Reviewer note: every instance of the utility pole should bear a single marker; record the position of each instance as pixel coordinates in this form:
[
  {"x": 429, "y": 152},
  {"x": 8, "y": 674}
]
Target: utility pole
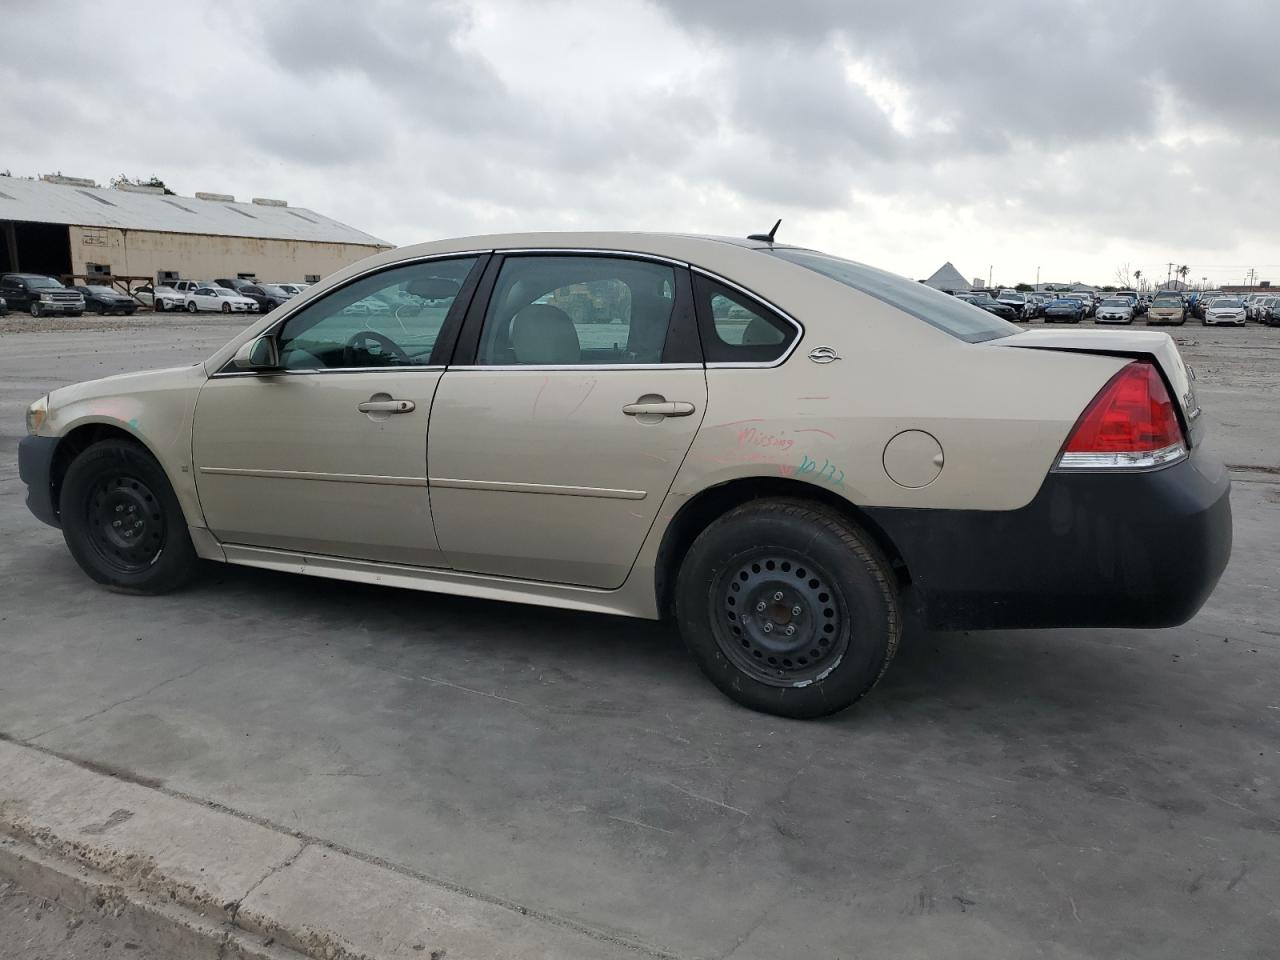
[
  {"x": 1037, "y": 278},
  {"x": 1168, "y": 275},
  {"x": 990, "y": 269}
]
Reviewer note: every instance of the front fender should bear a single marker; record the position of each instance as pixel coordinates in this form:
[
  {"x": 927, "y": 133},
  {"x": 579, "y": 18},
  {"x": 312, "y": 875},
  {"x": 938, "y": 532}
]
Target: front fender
[{"x": 155, "y": 408}]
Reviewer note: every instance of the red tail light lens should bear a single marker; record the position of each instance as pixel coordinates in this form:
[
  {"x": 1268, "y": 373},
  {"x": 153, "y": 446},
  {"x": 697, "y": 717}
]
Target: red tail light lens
[{"x": 1131, "y": 423}]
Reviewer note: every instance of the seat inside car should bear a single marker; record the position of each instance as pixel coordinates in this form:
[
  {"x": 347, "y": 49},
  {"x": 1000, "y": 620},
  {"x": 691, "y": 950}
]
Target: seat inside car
[
  {"x": 650, "y": 316},
  {"x": 543, "y": 334}
]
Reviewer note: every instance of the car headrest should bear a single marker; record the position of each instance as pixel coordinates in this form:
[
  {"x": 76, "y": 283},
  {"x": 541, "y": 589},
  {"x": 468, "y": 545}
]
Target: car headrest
[
  {"x": 760, "y": 332},
  {"x": 541, "y": 333}
]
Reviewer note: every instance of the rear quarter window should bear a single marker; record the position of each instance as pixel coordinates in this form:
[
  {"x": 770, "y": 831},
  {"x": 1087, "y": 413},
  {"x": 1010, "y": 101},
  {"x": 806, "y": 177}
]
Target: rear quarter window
[{"x": 962, "y": 320}]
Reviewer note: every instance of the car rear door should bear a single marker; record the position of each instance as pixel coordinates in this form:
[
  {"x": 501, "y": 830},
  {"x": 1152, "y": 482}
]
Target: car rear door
[
  {"x": 576, "y": 391},
  {"x": 327, "y": 455}
]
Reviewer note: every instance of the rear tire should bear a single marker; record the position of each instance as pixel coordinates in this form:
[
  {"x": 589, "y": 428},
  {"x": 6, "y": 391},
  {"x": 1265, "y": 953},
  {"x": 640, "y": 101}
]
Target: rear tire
[
  {"x": 122, "y": 521},
  {"x": 837, "y": 600}
]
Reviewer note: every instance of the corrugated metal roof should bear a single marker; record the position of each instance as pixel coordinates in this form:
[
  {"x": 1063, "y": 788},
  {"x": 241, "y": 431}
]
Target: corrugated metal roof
[{"x": 37, "y": 201}]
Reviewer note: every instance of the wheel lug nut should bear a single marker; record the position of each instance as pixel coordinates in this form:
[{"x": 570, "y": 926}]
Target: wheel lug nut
[
  {"x": 791, "y": 629},
  {"x": 796, "y": 611},
  {"x": 778, "y": 596},
  {"x": 768, "y": 626},
  {"x": 119, "y": 508},
  {"x": 760, "y": 607}
]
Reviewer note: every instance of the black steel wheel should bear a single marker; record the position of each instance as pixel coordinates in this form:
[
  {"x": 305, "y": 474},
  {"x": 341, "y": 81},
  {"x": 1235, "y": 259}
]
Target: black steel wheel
[
  {"x": 781, "y": 622},
  {"x": 122, "y": 521},
  {"x": 35, "y": 308},
  {"x": 788, "y": 607}
]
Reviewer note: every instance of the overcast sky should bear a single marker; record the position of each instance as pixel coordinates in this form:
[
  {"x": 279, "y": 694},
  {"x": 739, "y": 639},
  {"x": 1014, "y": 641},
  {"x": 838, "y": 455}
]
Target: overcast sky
[{"x": 1070, "y": 136}]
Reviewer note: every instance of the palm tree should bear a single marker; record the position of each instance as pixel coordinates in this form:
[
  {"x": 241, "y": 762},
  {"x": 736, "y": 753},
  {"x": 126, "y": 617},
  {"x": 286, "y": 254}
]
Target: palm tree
[
  {"x": 1137, "y": 278},
  {"x": 1182, "y": 272}
]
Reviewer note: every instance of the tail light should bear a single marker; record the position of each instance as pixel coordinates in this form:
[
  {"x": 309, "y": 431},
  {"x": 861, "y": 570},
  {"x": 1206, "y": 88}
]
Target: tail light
[{"x": 1131, "y": 424}]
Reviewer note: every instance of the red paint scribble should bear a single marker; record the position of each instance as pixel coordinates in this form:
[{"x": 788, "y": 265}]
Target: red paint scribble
[{"x": 816, "y": 430}]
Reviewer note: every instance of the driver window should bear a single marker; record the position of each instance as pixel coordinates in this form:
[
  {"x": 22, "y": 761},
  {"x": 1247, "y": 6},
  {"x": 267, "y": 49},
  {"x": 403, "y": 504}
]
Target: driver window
[{"x": 387, "y": 319}]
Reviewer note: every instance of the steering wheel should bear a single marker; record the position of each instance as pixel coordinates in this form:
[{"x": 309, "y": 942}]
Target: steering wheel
[{"x": 356, "y": 354}]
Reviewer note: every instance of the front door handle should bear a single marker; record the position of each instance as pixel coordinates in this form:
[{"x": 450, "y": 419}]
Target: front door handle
[
  {"x": 386, "y": 406},
  {"x": 658, "y": 408}
]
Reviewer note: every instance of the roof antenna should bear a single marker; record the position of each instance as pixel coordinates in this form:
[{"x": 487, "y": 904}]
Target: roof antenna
[{"x": 766, "y": 237}]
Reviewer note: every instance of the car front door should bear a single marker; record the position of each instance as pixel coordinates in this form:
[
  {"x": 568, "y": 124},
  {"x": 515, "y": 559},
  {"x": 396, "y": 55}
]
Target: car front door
[
  {"x": 575, "y": 394},
  {"x": 327, "y": 454}
]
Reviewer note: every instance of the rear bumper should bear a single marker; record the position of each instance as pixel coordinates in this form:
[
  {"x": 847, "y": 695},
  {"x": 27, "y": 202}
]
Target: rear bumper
[
  {"x": 35, "y": 468},
  {"x": 1091, "y": 550}
]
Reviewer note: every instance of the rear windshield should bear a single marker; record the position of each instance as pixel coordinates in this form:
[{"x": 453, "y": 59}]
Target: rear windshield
[{"x": 949, "y": 314}]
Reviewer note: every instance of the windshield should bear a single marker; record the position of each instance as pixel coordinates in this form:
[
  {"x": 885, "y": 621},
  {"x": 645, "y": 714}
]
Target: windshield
[
  {"x": 940, "y": 310},
  {"x": 273, "y": 291},
  {"x": 1115, "y": 302},
  {"x": 1167, "y": 302},
  {"x": 1228, "y": 302},
  {"x": 1066, "y": 302},
  {"x": 44, "y": 283},
  {"x": 99, "y": 289}
]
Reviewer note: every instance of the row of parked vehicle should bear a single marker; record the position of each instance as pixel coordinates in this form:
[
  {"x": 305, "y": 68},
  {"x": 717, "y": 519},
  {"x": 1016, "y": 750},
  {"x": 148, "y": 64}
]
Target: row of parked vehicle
[
  {"x": 42, "y": 295},
  {"x": 226, "y": 295},
  {"x": 1210, "y": 307}
]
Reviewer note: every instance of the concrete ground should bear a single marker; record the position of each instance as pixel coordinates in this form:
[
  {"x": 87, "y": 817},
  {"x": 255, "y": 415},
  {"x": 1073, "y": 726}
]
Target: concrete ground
[{"x": 1059, "y": 794}]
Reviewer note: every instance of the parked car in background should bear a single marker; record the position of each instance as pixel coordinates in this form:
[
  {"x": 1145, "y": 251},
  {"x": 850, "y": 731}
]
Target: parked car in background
[
  {"x": 292, "y": 288},
  {"x": 1167, "y": 308},
  {"x": 1254, "y": 304},
  {"x": 1015, "y": 299},
  {"x": 983, "y": 299},
  {"x": 219, "y": 299},
  {"x": 4, "y": 306},
  {"x": 1116, "y": 310},
  {"x": 40, "y": 295},
  {"x": 160, "y": 298},
  {"x": 1224, "y": 311},
  {"x": 1064, "y": 310},
  {"x": 739, "y": 505},
  {"x": 104, "y": 300},
  {"x": 237, "y": 283},
  {"x": 186, "y": 287},
  {"x": 1272, "y": 318},
  {"x": 1261, "y": 308},
  {"x": 267, "y": 296},
  {"x": 1203, "y": 300}
]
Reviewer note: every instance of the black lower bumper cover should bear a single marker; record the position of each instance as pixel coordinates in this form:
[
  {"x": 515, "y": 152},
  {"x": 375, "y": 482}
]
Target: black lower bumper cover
[
  {"x": 1091, "y": 550},
  {"x": 35, "y": 467}
]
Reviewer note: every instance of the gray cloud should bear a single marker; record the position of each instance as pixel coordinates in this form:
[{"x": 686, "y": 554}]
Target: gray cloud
[{"x": 902, "y": 133}]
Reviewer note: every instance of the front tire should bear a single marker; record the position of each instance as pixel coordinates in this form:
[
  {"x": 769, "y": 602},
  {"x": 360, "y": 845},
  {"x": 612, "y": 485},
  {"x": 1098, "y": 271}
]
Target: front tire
[
  {"x": 819, "y": 648},
  {"x": 226, "y": 308},
  {"x": 122, "y": 521},
  {"x": 191, "y": 307},
  {"x": 35, "y": 309}
]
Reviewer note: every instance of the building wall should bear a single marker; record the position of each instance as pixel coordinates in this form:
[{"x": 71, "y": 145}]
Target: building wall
[{"x": 141, "y": 253}]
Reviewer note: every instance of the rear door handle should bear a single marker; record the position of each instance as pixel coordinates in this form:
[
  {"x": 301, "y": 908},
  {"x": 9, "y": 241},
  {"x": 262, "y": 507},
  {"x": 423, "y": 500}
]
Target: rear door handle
[
  {"x": 659, "y": 408},
  {"x": 386, "y": 406}
]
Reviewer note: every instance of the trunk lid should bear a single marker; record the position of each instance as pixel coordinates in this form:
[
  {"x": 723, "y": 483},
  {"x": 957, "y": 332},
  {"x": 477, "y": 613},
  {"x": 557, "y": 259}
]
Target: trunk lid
[{"x": 1140, "y": 344}]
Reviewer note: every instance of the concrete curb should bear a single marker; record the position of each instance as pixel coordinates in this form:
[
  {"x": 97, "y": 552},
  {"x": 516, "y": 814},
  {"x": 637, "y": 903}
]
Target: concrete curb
[
  {"x": 166, "y": 927},
  {"x": 205, "y": 879}
]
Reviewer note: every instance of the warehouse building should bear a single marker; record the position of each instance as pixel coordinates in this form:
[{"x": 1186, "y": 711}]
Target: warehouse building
[{"x": 73, "y": 229}]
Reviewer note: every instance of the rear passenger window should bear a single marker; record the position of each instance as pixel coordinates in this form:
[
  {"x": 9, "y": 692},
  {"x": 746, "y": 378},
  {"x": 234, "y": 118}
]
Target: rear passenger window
[
  {"x": 566, "y": 311},
  {"x": 737, "y": 328}
]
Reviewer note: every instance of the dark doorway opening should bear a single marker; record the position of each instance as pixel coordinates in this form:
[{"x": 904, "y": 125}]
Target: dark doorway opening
[{"x": 35, "y": 248}]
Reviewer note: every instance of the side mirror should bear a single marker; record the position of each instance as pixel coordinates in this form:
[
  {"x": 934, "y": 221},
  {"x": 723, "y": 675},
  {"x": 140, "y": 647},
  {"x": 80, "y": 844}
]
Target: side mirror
[{"x": 260, "y": 354}]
